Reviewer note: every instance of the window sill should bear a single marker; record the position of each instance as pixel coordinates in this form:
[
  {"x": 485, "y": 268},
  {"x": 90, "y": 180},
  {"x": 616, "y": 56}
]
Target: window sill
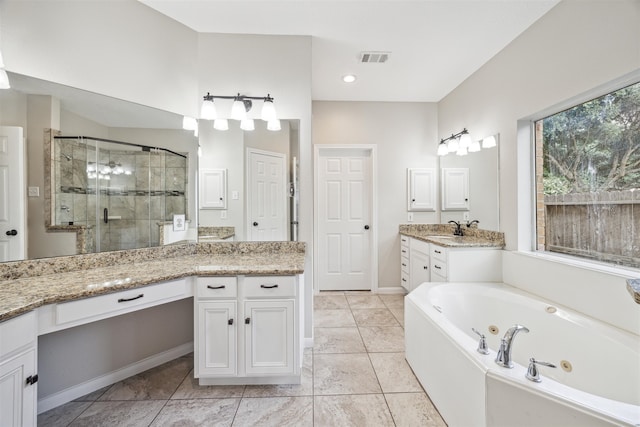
[{"x": 622, "y": 271}]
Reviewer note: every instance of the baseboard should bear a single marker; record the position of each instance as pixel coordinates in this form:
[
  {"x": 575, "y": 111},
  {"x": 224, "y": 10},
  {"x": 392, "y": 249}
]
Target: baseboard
[
  {"x": 74, "y": 392},
  {"x": 392, "y": 290}
]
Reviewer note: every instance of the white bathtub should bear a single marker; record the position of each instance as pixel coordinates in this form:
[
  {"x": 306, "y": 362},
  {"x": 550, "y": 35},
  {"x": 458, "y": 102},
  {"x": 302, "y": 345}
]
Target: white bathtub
[{"x": 470, "y": 389}]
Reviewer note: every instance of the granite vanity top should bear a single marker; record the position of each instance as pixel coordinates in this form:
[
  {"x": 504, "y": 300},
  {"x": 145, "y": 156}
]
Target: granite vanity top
[
  {"x": 442, "y": 234},
  {"x": 70, "y": 278}
]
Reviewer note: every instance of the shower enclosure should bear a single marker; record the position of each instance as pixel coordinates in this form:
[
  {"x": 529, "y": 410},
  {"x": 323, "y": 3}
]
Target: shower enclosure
[{"x": 122, "y": 193}]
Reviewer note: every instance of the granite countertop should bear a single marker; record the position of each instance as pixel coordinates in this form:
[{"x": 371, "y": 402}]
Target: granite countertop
[
  {"x": 442, "y": 235},
  {"x": 20, "y": 295}
]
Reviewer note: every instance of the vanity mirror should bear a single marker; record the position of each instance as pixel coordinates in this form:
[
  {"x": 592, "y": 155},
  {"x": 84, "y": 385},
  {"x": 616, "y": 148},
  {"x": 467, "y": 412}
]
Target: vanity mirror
[
  {"x": 94, "y": 193},
  {"x": 480, "y": 172}
]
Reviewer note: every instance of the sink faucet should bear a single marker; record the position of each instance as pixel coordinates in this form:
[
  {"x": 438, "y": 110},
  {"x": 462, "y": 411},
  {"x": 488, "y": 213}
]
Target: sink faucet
[
  {"x": 470, "y": 223},
  {"x": 503, "y": 358},
  {"x": 458, "y": 230}
]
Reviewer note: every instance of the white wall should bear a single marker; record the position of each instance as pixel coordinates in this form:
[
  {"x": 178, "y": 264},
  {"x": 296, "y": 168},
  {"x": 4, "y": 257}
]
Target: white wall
[
  {"x": 405, "y": 135},
  {"x": 577, "y": 46}
]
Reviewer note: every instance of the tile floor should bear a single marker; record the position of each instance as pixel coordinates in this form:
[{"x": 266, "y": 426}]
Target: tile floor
[{"x": 356, "y": 375}]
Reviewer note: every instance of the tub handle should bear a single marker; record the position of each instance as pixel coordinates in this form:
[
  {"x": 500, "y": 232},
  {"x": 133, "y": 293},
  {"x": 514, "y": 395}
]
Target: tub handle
[
  {"x": 532, "y": 372},
  {"x": 482, "y": 344}
]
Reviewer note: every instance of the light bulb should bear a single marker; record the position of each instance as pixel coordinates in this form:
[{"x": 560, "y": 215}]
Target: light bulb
[
  {"x": 221, "y": 124},
  {"x": 247, "y": 124},
  {"x": 489, "y": 142},
  {"x": 268, "y": 110},
  {"x": 442, "y": 149},
  {"x": 465, "y": 140},
  {"x": 462, "y": 151},
  {"x": 474, "y": 147},
  {"x": 238, "y": 112},
  {"x": 453, "y": 145},
  {"x": 208, "y": 110},
  {"x": 273, "y": 125},
  {"x": 349, "y": 78}
]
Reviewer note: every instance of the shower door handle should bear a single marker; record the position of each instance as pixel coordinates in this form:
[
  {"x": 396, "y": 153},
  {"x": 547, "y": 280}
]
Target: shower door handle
[{"x": 106, "y": 215}]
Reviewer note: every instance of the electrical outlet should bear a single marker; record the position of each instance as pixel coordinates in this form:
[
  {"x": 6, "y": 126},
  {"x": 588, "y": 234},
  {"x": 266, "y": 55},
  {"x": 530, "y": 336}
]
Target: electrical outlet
[
  {"x": 34, "y": 192},
  {"x": 234, "y": 195},
  {"x": 223, "y": 214},
  {"x": 410, "y": 217}
]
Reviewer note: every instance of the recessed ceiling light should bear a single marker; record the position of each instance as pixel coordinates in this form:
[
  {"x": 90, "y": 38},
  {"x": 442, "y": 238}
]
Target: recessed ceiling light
[{"x": 349, "y": 78}]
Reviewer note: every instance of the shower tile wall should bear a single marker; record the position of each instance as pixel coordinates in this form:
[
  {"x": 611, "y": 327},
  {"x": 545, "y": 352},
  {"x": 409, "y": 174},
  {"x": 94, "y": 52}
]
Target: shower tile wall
[{"x": 137, "y": 203}]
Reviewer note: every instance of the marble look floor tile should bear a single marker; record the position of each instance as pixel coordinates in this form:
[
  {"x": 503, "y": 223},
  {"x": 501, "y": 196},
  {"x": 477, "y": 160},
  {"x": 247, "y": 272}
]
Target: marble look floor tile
[
  {"x": 398, "y": 313},
  {"x": 190, "y": 389},
  {"x": 394, "y": 373},
  {"x": 413, "y": 409},
  {"x": 374, "y": 317},
  {"x": 330, "y": 302},
  {"x": 275, "y": 411},
  {"x": 351, "y": 410},
  {"x": 197, "y": 412},
  {"x": 333, "y": 318},
  {"x": 121, "y": 414},
  {"x": 365, "y": 301},
  {"x": 305, "y": 388},
  {"x": 383, "y": 339},
  {"x": 93, "y": 396},
  {"x": 63, "y": 415},
  {"x": 157, "y": 383},
  {"x": 337, "y": 340},
  {"x": 343, "y": 374},
  {"x": 393, "y": 301}
]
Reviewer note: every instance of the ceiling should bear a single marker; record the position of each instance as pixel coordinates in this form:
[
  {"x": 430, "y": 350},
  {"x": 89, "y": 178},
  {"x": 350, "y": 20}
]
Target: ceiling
[{"x": 435, "y": 44}]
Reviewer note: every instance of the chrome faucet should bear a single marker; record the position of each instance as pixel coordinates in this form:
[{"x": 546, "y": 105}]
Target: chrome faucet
[
  {"x": 503, "y": 358},
  {"x": 458, "y": 230}
]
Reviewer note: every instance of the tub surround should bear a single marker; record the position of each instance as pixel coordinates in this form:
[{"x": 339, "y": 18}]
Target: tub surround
[
  {"x": 27, "y": 285},
  {"x": 442, "y": 234}
]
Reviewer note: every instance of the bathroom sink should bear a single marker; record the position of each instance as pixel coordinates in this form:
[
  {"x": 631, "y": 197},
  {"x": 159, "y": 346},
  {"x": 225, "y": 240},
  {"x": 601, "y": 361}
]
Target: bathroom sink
[{"x": 443, "y": 237}]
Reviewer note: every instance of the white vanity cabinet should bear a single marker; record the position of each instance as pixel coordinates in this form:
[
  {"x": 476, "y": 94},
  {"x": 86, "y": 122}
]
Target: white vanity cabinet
[
  {"x": 18, "y": 365},
  {"x": 250, "y": 335},
  {"x": 419, "y": 263},
  {"x": 405, "y": 272}
]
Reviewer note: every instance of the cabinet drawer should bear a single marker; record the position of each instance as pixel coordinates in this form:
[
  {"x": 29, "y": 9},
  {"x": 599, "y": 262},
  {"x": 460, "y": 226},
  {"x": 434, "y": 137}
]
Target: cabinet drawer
[
  {"x": 104, "y": 305},
  {"x": 438, "y": 252},
  {"x": 404, "y": 280},
  {"x": 216, "y": 287},
  {"x": 438, "y": 268},
  {"x": 269, "y": 286},
  {"x": 17, "y": 332},
  {"x": 404, "y": 241},
  {"x": 404, "y": 264},
  {"x": 435, "y": 277}
]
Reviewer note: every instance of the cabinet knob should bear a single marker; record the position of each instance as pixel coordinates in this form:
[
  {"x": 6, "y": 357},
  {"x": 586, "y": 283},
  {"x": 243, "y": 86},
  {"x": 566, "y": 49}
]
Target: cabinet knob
[
  {"x": 230, "y": 322},
  {"x": 32, "y": 379},
  {"x": 247, "y": 320},
  {"x": 12, "y": 233},
  {"x": 425, "y": 267},
  {"x": 366, "y": 227},
  {"x": 255, "y": 224}
]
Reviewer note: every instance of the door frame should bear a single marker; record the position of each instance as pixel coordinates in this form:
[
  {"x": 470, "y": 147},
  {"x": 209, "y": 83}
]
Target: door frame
[
  {"x": 372, "y": 150},
  {"x": 285, "y": 197}
]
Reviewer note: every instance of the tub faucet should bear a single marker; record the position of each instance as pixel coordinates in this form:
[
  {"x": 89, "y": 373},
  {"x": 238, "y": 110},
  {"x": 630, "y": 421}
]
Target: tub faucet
[{"x": 503, "y": 358}]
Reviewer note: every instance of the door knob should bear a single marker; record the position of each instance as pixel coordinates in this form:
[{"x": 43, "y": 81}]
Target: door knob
[
  {"x": 12, "y": 233},
  {"x": 255, "y": 224},
  {"x": 366, "y": 227}
]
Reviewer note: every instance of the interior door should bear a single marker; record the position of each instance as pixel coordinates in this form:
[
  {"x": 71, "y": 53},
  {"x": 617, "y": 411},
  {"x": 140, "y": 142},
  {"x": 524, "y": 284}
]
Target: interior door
[
  {"x": 266, "y": 196},
  {"x": 12, "y": 194},
  {"x": 345, "y": 212}
]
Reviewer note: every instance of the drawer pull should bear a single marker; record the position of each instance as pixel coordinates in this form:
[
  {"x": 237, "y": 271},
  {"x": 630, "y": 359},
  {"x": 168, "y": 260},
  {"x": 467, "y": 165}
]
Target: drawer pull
[
  {"x": 404, "y": 280},
  {"x": 404, "y": 265},
  {"x": 438, "y": 267},
  {"x": 32, "y": 379},
  {"x": 230, "y": 322},
  {"x": 404, "y": 252},
  {"x": 130, "y": 299},
  {"x": 426, "y": 267},
  {"x": 216, "y": 287},
  {"x": 268, "y": 286},
  {"x": 247, "y": 320},
  {"x": 437, "y": 251}
]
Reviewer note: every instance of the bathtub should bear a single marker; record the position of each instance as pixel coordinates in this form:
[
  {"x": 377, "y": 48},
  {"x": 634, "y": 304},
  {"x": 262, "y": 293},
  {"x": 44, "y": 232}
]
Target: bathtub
[{"x": 596, "y": 382}]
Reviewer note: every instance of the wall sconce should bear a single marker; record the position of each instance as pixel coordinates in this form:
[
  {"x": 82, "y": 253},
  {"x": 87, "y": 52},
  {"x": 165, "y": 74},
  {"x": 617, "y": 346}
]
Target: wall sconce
[
  {"x": 462, "y": 144},
  {"x": 242, "y": 104}
]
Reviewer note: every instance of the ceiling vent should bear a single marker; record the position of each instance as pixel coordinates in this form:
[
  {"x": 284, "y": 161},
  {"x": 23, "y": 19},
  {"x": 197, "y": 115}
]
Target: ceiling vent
[{"x": 374, "y": 57}]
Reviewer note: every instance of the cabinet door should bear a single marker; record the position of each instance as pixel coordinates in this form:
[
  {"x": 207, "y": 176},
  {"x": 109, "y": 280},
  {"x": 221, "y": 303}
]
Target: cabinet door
[
  {"x": 216, "y": 338},
  {"x": 269, "y": 337},
  {"x": 455, "y": 189},
  {"x": 419, "y": 265},
  {"x": 421, "y": 186},
  {"x": 17, "y": 397},
  {"x": 213, "y": 188}
]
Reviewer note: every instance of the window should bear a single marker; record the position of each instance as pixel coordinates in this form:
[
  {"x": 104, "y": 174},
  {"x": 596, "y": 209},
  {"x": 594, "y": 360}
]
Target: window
[{"x": 588, "y": 179}]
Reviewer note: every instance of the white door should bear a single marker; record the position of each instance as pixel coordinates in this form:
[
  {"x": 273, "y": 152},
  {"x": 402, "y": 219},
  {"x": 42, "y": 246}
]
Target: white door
[
  {"x": 12, "y": 194},
  {"x": 345, "y": 259},
  {"x": 266, "y": 196},
  {"x": 216, "y": 352},
  {"x": 269, "y": 337}
]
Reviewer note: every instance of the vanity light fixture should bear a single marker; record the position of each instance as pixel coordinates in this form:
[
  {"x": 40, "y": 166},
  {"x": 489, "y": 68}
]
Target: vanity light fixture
[
  {"x": 474, "y": 147},
  {"x": 454, "y": 143},
  {"x": 242, "y": 104},
  {"x": 273, "y": 125},
  {"x": 489, "y": 142}
]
